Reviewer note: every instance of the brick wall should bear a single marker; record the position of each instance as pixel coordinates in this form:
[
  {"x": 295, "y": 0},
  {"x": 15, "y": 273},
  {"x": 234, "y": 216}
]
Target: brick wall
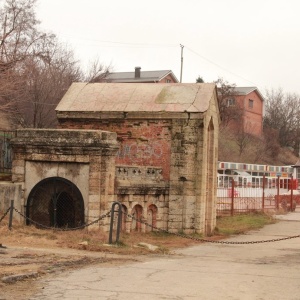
[
  {"x": 252, "y": 116},
  {"x": 165, "y": 166},
  {"x": 182, "y": 194},
  {"x": 142, "y": 142}
]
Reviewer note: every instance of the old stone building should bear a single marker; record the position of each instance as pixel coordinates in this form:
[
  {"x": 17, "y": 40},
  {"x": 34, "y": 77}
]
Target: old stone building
[
  {"x": 151, "y": 147},
  {"x": 165, "y": 167},
  {"x": 64, "y": 178}
]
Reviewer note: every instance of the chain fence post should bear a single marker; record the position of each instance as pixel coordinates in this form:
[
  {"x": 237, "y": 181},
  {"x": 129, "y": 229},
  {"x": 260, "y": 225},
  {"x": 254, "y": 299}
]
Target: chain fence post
[
  {"x": 263, "y": 193},
  {"x": 232, "y": 196},
  {"x": 278, "y": 186},
  {"x": 119, "y": 223},
  {"x": 291, "y": 186},
  {"x": 11, "y": 214}
]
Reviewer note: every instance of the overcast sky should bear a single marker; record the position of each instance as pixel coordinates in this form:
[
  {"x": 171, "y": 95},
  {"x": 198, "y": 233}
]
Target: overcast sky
[{"x": 247, "y": 42}]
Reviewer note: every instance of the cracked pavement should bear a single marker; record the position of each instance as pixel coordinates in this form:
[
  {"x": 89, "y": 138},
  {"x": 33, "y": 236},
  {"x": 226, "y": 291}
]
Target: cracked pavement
[{"x": 207, "y": 271}]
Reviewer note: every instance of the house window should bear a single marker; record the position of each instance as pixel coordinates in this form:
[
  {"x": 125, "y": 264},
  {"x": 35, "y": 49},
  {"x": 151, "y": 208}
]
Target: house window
[
  {"x": 230, "y": 102},
  {"x": 168, "y": 81},
  {"x": 251, "y": 103}
]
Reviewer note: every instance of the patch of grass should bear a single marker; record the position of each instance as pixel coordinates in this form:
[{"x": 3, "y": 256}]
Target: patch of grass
[
  {"x": 239, "y": 224},
  {"x": 163, "y": 250},
  {"x": 160, "y": 234},
  {"x": 120, "y": 244}
]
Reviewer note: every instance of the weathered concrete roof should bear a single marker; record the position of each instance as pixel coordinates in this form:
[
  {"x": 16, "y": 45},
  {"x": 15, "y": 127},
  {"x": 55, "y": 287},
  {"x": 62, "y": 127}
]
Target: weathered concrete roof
[{"x": 137, "y": 97}]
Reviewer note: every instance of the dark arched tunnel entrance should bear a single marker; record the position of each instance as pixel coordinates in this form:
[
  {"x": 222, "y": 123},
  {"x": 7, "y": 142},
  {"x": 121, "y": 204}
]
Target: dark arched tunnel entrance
[{"x": 55, "y": 202}]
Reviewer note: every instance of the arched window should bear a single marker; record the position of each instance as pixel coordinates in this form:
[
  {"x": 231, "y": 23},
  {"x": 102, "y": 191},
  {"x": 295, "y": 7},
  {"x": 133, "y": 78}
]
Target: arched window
[
  {"x": 137, "y": 212},
  {"x": 151, "y": 217},
  {"x": 124, "y": 217}
]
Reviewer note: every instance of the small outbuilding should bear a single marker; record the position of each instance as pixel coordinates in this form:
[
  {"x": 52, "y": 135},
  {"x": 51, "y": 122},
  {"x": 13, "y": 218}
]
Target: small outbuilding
[{"x": 165, "y": 171}]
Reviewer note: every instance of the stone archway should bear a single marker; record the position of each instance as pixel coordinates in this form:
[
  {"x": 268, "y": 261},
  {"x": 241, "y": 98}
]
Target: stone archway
[
  {"x": 124, "y": 217},
  {"x": 151, "y": 217},
  {"x": 72, "y": 161},
  {"x": 55, "y": 202},
  {"x": 137, "y": 212}
]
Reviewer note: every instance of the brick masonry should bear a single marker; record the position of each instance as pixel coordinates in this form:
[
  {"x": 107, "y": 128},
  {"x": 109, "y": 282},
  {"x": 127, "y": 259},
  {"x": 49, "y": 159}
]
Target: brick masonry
[{"x": 161, "y": 165}]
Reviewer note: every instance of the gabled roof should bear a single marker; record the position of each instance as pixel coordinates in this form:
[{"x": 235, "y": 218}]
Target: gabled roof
[
  {"x": 247, "y": 90},
  {"x": 137, "y": 97},
  {"x": 145, "y": 76}
]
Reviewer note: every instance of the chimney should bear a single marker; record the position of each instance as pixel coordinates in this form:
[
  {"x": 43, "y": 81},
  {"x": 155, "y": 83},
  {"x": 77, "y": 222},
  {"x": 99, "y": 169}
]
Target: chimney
[{"x": 137, "y": 72}]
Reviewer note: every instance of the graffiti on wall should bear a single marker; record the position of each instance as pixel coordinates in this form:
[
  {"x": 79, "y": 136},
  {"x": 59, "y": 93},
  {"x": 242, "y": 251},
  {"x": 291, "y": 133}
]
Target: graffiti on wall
[
  {"x": 145, "y": 144},
  {"x": 155, "y": 154},
  {"x": 135, "y": 151}
]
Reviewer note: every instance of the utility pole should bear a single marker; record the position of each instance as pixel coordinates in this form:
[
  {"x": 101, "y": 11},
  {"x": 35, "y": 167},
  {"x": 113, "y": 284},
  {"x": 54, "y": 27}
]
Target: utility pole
[{"x": 181, "y": 62}]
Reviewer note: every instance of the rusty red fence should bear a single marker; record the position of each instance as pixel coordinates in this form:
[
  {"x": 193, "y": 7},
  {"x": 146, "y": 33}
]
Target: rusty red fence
[{"x": 243, "y": 199}]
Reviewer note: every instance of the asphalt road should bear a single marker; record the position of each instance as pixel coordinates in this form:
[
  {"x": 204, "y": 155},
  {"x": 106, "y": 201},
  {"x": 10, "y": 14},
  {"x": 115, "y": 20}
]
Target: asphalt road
[{"x": 269, "y": 270}]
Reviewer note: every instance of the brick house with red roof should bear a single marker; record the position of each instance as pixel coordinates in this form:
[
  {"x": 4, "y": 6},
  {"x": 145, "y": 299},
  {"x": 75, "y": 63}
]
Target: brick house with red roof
[{"x": 251, "y": 102}]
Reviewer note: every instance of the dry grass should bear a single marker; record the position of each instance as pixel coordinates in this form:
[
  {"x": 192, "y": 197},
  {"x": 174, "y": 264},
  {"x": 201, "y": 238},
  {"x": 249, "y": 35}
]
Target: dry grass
[
  {"x": 92, "y": 240},
  {"x": 97, "y": 240}
]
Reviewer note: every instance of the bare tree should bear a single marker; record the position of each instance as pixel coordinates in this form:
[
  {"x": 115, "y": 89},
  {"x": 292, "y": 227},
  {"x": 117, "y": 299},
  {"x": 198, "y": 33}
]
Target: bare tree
[
  {"x": 272, "y": 147},
  {"x": 282, "y": 113},
  {"x": 47, "y": 80},
  {"x": 96, "y": 71},
  {"x": 242, "y": 137},
  {"x": 18, "y": 37},
  {"x": 229, "y": 108},
  {"x": 35, "y": 69}
]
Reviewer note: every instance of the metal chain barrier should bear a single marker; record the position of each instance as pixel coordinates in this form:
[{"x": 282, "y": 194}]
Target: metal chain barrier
[
  {"x": 63, "y": 229},
  {"x": 153, "y": 227},
  {"x": 5, "y": 214},
  {"x": 210, "y": 241}
]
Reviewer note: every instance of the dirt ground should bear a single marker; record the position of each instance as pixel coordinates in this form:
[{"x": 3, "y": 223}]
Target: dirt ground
[
  {"x": 21, "y": 267},
  {"x": 28, "y": 253}
]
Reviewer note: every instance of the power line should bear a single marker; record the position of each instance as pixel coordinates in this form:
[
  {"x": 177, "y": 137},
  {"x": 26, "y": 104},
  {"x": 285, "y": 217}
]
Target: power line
[
  {"x": 150, "y": 45},
  {"x": 217, "y": 65}
]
